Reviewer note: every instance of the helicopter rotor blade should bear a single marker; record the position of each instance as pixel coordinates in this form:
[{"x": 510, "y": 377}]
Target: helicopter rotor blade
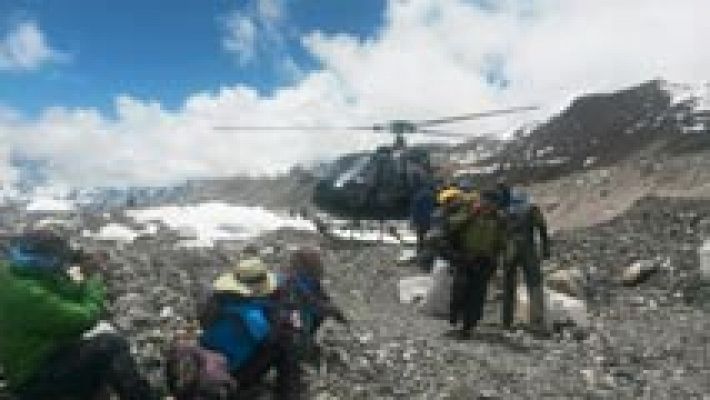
[
  {"x": 435, "y": 132},
  {"x": 292, "y": 128},
  {"x": 388, "y": 127},
  {"x": 471, "y": 116}
]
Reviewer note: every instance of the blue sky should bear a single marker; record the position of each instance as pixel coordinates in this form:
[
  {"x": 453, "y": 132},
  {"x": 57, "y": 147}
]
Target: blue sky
[
  {"x": 147, "y": 50},
  {"x": 99, "y": 92}
]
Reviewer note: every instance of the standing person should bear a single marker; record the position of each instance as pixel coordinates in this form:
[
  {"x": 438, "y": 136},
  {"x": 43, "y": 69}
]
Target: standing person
[
  {"x": 421, "y": 210},
  {"x": 243, "y": 322},
  {"x": 525, "y": 222},
  {"x": 447, "y": 243},
  {"x": 477, "y": 230},
  {"x": 45, "y": 308}
]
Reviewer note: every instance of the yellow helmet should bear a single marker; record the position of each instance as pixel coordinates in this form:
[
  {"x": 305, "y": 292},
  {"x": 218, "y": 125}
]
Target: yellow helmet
[{"x": 448, "y": 194}]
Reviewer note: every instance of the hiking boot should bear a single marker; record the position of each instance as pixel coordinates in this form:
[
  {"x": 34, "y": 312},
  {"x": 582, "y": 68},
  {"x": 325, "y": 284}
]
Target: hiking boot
[
  {"x": 464, "y": 334},
  {"x": 540, "y": 332},
  {"x": 454, "y": 319}
]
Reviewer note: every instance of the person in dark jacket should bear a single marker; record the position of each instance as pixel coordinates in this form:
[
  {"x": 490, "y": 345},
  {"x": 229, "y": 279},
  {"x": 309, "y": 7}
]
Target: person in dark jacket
[
  {"x": 46, "y": 307},
  {"x": 305, "y": 279},
  {"x": 302, "y": 292},
  {"x": 244, "y": 322},
  {"x": 525, "y": 223},
  {"x": 422, "y": 208}
]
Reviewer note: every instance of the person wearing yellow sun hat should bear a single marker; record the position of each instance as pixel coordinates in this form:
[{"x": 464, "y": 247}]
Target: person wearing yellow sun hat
[
  {"x": 250, "y": 277},
  {"x": 241, "y": 321}
]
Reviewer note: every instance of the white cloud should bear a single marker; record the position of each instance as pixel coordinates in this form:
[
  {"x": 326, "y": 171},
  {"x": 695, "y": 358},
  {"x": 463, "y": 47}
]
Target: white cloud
[
  {"x": 256, "y": 31},
  {"x": 241, "y": 37},
  {"x": 25, "y": 48},
  {"x": 271, "y": 12},
  {"x": 431, "y": 58}
]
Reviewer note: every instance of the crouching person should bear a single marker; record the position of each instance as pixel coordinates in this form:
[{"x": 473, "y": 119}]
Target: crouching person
[
  {"x": 301, "y": 294},
  {"x": 303, "y": 287},
  {"x": 46, "y": 305},
  {"x": 242, "y": 322}
]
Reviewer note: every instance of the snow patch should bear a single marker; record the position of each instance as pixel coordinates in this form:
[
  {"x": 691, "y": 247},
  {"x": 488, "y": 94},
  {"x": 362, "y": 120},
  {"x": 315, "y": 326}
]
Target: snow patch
[
  {"x": 206, "y": 223},
  {"x": 374, "y": 236},
  {"x": 117, "y": 233},
  {"x": 50, "y": 205},
  {"x": 52, "y": 222},
  {"x": 696, "y": 95}
]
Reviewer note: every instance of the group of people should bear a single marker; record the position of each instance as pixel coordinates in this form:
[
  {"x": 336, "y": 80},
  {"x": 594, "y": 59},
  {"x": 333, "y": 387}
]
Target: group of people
[
  {"x": 476, "y": 231},
  {"x": 253, "y": 320}
]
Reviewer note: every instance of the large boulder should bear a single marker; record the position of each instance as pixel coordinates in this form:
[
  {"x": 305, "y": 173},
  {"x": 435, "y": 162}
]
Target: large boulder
[{"x": 569, "y": 281}]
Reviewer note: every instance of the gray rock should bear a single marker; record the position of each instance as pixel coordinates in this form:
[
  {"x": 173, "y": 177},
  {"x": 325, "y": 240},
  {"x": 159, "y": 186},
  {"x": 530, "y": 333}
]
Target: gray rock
[{"x": 638, "y": 272}]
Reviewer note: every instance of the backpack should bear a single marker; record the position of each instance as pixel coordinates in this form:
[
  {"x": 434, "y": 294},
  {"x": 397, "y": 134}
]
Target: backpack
[
  {"x": 480, "y": 229},
  {"x": 239, "y": 329},
  {"x": 195, "y": 373},
  {"x": 298, "y": 315},
  {"x": 518, "y": 215}
]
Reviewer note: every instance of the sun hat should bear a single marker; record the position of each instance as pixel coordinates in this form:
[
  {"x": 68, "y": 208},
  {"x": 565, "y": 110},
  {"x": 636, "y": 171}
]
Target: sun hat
[{"x": 249, "y": 277}]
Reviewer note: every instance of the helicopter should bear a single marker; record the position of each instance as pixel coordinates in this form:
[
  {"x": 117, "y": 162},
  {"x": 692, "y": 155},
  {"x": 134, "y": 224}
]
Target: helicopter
[{"x": 379, "y": 185}]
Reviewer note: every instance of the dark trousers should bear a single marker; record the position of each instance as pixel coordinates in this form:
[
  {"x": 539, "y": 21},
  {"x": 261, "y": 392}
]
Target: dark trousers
[
  {"x": 470, "y": 290},
  {"x": 425, "y": 255},
  {"x": 280, "y": 355},
  {"x": 87, "y": 369},
  {"x": 529, "y": 263}
]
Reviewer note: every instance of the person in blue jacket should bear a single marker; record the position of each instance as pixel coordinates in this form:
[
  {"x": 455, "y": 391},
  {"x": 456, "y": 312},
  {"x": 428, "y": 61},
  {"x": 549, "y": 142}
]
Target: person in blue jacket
[
  {"x": 243, "y": 321},
  {"x": 421, "y": 211},
  {"x": 302, "y": 291}
]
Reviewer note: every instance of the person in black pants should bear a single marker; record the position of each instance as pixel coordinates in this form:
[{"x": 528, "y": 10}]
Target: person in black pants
[
  {"x": 476, "y": 234},
  {"x": 86, "y": 368},
  {"x": 476, "y": 277}
]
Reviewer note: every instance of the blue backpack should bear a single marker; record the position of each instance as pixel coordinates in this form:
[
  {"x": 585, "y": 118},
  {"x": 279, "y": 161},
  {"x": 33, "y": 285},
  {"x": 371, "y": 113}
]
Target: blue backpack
[{"x": 242, "y": 327}]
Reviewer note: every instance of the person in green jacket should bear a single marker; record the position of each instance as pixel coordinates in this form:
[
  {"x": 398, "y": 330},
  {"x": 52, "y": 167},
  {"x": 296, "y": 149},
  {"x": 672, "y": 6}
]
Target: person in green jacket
[
  {"x": 476, "y": 233},
  {"x": 45, "y": 309}
]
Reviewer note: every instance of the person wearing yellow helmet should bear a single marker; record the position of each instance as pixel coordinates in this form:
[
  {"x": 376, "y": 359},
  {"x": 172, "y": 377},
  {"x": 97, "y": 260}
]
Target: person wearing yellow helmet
[
  {"x": 447, "y": 195},
  {"x": 476, "y": 237}
]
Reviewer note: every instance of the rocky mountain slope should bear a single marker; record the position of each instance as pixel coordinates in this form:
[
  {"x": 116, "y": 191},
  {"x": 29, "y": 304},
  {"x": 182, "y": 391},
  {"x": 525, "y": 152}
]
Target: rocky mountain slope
[{"x": 599, "y": 130}]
